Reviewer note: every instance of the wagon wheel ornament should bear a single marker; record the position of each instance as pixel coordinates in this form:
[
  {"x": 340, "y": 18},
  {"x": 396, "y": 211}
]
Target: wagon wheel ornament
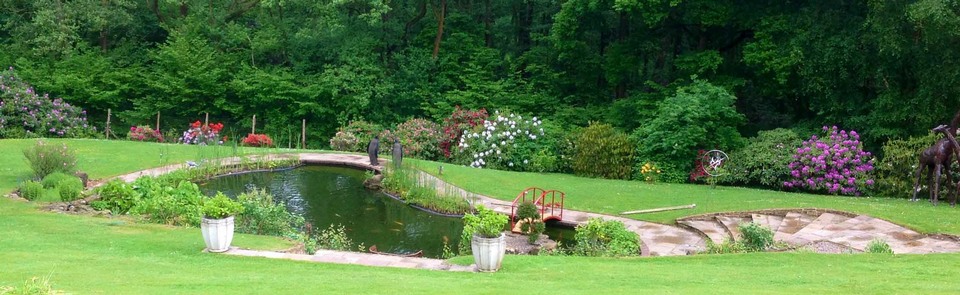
[{"x": 712, "y": 161}]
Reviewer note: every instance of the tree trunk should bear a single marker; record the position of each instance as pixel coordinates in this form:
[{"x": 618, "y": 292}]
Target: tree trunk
[
  {"x": 487, "y": 30},
  {"x": 421, "y": 12},
  {"x": 104, "y": 33},
  {"x": 156, "y": 10},
  {"x": 441, "y": 14}
]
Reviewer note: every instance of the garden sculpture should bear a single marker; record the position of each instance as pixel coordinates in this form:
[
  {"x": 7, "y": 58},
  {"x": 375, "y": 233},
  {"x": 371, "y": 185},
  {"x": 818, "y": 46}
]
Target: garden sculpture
[
  {"x": 936, "y": 159},
  {"x": 956, "y": 150},
  {"x": 373, "y": 149},
  {"x": 397, "y": 153},
  {"x": 714, "y": 160}
]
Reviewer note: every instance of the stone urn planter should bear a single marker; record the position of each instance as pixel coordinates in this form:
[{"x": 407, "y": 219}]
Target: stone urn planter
[
  {"x": 217, "y": 233},
  {"x": 488, "y": 242},
  {"x": 488, "y": 252},
  {"x": 217, "y": 223}
]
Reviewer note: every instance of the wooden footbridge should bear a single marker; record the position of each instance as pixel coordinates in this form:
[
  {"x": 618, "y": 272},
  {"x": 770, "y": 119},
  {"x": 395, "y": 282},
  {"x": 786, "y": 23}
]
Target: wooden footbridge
[{"x": 549, "y": 204}]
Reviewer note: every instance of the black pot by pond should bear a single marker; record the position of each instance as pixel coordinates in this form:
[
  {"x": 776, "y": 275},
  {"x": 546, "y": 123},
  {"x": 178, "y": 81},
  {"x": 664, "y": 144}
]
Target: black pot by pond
[{"x": 326, "y": 195}]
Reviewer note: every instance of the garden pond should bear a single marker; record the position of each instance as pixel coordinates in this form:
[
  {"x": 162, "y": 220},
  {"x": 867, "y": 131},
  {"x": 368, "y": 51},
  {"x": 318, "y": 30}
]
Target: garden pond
[{"x": 330, "y": 195}]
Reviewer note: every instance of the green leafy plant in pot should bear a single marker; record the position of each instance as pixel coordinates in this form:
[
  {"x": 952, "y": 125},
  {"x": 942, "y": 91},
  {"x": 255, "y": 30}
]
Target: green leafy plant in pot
[
  {"x": 217, "y": 224},
  {"x": 487, "y": 241}
]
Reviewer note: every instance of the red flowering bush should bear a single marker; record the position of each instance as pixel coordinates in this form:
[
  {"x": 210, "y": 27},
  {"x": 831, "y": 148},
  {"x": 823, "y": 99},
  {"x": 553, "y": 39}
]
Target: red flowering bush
[
  {"x": 420, "y": 139},
  {"x": 144, "y": 133},
  {"x": 344, "y": 141},
  {"x": 257, "y": 140},
  {"x": 200, "y": 134},
  {"x": 460, "y": 121}
]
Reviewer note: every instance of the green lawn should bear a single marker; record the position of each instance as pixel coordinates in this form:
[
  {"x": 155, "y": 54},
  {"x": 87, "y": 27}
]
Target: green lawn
[
  {"x": 615, "y": 196},
  {"x": 84, "y": 255}
]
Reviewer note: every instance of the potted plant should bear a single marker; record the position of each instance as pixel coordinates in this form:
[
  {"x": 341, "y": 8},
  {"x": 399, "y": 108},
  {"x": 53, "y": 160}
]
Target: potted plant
[
  {"x": 487, "y": 242},
  {"x": 217, "y": 224}
]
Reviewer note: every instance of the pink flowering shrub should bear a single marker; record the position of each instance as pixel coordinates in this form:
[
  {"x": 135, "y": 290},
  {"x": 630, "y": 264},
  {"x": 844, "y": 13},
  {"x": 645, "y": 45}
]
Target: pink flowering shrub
[
  {"x": 144, "y": 133},
  {"x": 203, "y": 134},
  {"x": 24, "y": 113},
  {"x": 420, "y": 139},
  {"x": 836, "y": 164},
  {"x": 459, "y": 122}
]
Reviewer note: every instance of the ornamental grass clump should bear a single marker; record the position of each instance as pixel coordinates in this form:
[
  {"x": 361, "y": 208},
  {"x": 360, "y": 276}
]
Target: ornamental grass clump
[
  {"x": 45, "y": 158},
  {"x": 836, "y": 164},
  {"x": 506, "y": 142}
]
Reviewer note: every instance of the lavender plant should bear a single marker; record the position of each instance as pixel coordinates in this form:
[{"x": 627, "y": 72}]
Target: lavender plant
[{"x": 836, "y": 164}]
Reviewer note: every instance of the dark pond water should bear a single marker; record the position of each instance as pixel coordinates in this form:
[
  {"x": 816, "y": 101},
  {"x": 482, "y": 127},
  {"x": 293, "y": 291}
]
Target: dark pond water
[{"x": 327, "y": 195}]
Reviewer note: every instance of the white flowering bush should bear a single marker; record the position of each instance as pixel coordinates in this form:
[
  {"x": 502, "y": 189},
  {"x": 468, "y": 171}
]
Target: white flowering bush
[{"x": 506, "y": 142}]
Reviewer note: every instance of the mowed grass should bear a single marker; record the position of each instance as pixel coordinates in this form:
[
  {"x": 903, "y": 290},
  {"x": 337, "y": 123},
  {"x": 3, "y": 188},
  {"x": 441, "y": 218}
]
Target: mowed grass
[
  {"x": 95, "y": 255},
  {"x": 615, "y": 196}
]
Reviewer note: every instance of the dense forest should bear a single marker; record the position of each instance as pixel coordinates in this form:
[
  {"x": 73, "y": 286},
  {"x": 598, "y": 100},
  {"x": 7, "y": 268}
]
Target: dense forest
[{"x": 886, "y": 68}]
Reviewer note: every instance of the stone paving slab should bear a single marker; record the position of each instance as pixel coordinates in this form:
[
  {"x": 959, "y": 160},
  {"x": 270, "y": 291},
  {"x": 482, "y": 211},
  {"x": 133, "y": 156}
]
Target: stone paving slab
[
  {"x": 815, "y": 230},
  {"x": 340, "y": 257},
  {"x": 732, "y": 224},
  {"x": 712, "y": 229},
  {"x": 770, "y": 221},
  {"x": 791, "y": 224}
]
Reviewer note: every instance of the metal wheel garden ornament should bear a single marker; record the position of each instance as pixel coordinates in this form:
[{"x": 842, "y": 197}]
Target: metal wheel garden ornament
[{"x": 713, "y": 161}]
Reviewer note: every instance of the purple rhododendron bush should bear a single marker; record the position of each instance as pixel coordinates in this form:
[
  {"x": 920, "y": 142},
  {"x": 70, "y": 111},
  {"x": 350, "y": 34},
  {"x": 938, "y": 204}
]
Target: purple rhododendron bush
[{"x": 835, "y": 164}]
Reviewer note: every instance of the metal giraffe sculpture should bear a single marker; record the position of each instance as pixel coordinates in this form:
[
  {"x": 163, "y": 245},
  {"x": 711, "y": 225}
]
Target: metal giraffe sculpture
[
  {"x": 956, "y": 151},
  {"x": 936, "y": 159}
]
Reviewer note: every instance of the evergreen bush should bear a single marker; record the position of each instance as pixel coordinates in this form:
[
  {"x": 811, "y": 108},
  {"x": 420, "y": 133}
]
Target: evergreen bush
[{"x": 601, "y": 151}]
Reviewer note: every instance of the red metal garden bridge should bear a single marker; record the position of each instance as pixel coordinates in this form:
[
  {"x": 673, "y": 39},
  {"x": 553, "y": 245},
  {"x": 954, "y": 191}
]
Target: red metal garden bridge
[{"x": 549, "y": 203}]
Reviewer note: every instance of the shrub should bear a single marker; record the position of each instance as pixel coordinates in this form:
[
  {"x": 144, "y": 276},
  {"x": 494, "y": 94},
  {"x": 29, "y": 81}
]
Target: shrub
[
  {"x": 144, "y": 133},
  {"x": 262, "y": 216},
  {"x": 459, "y": 122},
  {"x": 601, "y": 151},
  {"x": 755, "y": 236},
  {"x": 895, "y": 171},
  {"x": 699, "y": 116},
  {"x": 25, "y": 113},
  {"x": 31, "y": 190},
  {"x": 726, "y": 247},
  {"x": 70, "y": 189},
  {"x": 47, "y": 158},
  {"x": 53, "y": 179},
  {"x": 180, "y": 205},
  {"x": 220, "y": 206},
  {"x": 363, "y": 131},
  {"x": 878, "y": 246},
  {"x": 598, "y": 237},
  {"x": 649, "y": 172},
  {"x": 764, "y": 160},
  {"x": 202, "y": 134},
  {"x": 532, "y": 224},
  {"x": 506, "y": 142},
  {"x": 257, "y": 140},
  {"x": 420, "y": 139},
  {"x": 116, "y": 196},
  {"x": 335, "y": 238},
  {"x": 836, "y": 164},
  {"x": 386, "y": 142},
  {"x": 344, "y": 142},
  {"x": 544, "y": 161}
]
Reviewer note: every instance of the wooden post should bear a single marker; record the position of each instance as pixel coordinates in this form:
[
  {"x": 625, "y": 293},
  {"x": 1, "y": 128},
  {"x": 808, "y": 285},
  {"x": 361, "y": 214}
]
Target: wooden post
[
  {"x": 303, "y": 130},
  {"x": 253, "y": 129},
  {"x": 206, "y": 120},
  {"x": 691, "y": 206},
  {"x": 158, "y": 121},
  {"x": 108, "y": 122}
]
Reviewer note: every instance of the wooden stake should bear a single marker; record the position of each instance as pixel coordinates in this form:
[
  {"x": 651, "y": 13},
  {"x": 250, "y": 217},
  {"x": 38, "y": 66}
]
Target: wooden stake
[
  {"x": 691, "y": 206},
  {"x": 303, "y": 131},
  {"x": 108, "y": 122},
  {"x": 158, "y": 121},
  {"x": 253, "y": 130},
  {"x": 206, "y": 120}
]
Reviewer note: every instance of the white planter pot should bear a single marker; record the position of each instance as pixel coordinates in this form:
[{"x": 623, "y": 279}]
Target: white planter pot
[
  {"x": 488, "y": 252},
  {"x": 217, "y": 233}
]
